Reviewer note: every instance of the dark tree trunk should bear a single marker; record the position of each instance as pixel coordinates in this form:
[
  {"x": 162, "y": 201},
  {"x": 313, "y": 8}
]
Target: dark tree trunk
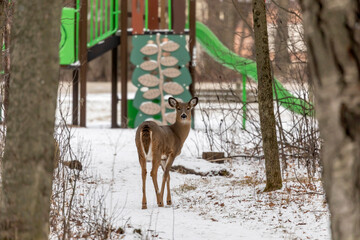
[
  {"x": 29, "y": 151},
  {"x": 266, "y": 107},
  {"x": 333, "y": 39}
]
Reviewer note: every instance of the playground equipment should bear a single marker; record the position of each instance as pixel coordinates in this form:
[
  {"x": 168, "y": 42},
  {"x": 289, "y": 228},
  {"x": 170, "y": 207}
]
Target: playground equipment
[{"x": 91, "y": 28}]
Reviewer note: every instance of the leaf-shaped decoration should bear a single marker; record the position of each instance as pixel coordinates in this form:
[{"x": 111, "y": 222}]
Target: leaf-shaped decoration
[
  {"x": 149, "y": 80},
  {"x": 173, "y": 88},
  {"x": 149, "y": 65},
  {"x": 170, "y": 46},
  {"x": 149, "y": 49},
  {"x": 171, "y": 117},
  {"x": 150, "y": 108},
  {"x": 168, "y": 61},
  {"x": 171, "y": 72},
  {"x": 151, "y": 94}
]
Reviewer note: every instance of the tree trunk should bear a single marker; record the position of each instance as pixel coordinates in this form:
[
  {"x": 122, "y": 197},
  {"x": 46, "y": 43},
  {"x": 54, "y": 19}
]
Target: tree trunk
[
  {"x": 2, "y": 28},
  {"x": 29, "y": 150},
  {"x": 265, "y": 96},
  {"x": 8, "y": 11},
  {"x": 332, "y": 35},
  {"x": 282, "y": 57}
]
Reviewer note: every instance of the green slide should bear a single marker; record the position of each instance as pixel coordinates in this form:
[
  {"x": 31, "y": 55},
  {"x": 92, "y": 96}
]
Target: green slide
[{"x": 231, "y": 60}]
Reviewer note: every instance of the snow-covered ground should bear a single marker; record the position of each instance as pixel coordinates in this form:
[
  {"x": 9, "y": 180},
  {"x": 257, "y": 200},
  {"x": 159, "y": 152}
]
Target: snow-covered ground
[{"x": 204, "y": 207}]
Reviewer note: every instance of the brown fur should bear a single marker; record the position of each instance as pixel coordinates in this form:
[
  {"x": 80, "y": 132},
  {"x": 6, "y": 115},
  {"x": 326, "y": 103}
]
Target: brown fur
[{"x": 164, "y": 141}]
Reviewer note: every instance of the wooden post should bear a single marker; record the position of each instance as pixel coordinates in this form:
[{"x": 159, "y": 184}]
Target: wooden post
[
  {"x": 124, "y": 63},
  {"x": 153, "y": 21},
  {"x": 83, "y": 60},
  {"x": 137, "y": 16},
  {"x": 178, "y": 16},
  {"x": 75, "y": 110},
  {"x": 162, "y": 14},
  {"x": 114, "y": 97}
]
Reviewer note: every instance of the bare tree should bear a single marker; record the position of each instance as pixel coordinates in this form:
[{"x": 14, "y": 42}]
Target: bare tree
[
  {"x": 29, "y": 151},
  {"x": 282, "y": 57},
  {"x": 332, "y": 35},
  {"x": 265, "y": 97}
]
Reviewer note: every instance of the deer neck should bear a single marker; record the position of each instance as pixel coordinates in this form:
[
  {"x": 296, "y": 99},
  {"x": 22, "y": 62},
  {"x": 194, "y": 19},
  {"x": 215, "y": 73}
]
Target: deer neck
[{"x": 181, "y": 129}]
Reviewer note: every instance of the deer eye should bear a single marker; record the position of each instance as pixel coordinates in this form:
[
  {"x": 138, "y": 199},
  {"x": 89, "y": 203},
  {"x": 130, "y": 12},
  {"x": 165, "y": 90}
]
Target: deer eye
[
  {"x": 188, "y": 108},
  {"x": 178, "y": 108}
]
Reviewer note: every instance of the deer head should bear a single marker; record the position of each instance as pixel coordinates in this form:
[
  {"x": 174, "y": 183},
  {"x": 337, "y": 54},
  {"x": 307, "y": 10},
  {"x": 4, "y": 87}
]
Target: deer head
[{"x": 183, "y": 110}]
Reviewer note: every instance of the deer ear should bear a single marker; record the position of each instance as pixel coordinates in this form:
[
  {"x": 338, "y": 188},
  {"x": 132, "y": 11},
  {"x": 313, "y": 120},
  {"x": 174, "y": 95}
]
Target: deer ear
[
  {"x": 193, "y": 102},
  {"x": 172, "y": 102}
]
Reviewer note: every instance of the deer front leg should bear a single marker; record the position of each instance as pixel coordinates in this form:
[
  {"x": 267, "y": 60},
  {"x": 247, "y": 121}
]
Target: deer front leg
[
  {"x": 166, "y": 178},
  {"x": 156, "y": 162},
  {"x": 168, "y": 198}
]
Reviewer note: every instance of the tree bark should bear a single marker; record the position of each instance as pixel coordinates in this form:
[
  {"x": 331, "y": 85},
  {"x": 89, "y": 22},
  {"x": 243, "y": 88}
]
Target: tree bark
[
  {"x": 333, "y": 40},
  {"x": 2, "y": 28},
  {"x": 265, "y": 97},
  {"x": 29, "y": 150}
]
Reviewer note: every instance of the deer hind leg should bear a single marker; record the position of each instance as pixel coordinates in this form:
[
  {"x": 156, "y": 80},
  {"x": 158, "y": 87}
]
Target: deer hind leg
[
  {"x": 142, "y": 161},
  {"x": 155, "y": 166}
]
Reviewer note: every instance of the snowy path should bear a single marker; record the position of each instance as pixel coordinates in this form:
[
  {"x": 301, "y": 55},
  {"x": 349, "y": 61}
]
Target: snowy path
[
  {"x": 204, "y": 208},
  {"x": 207, "y": 210}
]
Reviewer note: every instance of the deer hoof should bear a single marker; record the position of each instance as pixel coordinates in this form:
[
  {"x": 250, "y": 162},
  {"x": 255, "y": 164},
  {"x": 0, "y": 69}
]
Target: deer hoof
[
  {"x": 168, "y": 202},
  {"x": 160, "y": 204},
  {"x": 144, "y": 206}
]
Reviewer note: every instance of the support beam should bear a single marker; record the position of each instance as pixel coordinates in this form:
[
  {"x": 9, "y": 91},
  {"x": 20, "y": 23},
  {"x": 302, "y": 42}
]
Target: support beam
[
  {"x": 114, "y": 97},
  {"x": 83, "y": 60},
  {"x": 124, "y": 63}
]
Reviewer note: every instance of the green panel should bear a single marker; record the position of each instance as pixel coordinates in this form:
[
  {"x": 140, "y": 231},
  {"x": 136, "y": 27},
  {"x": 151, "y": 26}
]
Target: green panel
[
  {"x": 132, "y": 112},
  {"x": 184, "y": 79},
  {"x": 67, "y": 41},
  {"x": 97, "y": 13},
  {"x": 139, "y": 41}
]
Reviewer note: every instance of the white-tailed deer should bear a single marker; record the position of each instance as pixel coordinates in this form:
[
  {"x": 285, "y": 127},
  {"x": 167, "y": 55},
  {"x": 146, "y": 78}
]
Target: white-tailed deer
[{"x": 163, "y": 142}]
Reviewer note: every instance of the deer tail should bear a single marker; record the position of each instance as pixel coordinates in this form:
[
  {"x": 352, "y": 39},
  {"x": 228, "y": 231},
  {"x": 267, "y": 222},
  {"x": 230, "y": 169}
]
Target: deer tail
[{"x": 146, "y": 138}]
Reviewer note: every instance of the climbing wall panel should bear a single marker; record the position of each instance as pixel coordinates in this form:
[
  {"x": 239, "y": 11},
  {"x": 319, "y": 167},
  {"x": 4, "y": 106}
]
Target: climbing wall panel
[{"x": 160, "y": 72}]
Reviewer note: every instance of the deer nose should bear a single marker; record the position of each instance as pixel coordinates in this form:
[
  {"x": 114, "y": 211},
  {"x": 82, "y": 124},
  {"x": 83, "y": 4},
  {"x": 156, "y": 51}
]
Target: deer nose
[{"x": 183, "y": 116}]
